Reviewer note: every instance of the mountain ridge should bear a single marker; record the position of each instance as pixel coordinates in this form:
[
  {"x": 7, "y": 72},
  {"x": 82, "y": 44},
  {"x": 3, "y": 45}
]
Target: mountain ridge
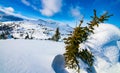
[{"x": 37, "y": 29}]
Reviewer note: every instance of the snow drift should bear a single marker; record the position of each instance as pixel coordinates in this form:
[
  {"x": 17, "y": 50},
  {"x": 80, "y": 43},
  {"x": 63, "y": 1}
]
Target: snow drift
[
  {"x": 59, "y": 64},
  {"x": 104, "y": 46},
  {"x": 104, "y": 42}
]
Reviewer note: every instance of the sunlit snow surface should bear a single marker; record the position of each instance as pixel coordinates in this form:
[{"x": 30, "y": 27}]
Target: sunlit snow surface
[
  {"x": 28, "y": 56},
  {"x": 39, "y": 56}
]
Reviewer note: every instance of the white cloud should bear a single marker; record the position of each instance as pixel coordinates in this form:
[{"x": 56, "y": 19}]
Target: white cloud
[
  {"x": 25, "y": 2},
  {"x": 9, "y": 9},
  {"x": 76, "y": 12},
  {"x": 50, "y": 7}
]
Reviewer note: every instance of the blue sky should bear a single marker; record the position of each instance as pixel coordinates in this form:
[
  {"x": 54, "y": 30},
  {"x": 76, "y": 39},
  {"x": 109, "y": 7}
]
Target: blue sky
[{"x": 66, "y": 11}]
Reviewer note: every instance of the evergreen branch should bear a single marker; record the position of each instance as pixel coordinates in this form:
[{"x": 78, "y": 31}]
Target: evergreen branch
[{"x": 80, "y": 35}]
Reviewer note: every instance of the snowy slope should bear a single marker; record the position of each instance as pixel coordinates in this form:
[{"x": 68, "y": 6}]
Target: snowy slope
[
  {"x": 39, "y": 56},
  {"x": 38, "y": 29}
]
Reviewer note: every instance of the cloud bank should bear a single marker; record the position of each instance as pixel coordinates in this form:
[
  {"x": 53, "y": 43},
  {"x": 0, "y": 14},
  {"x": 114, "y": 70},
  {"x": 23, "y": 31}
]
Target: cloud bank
[{"x": 9, "y": 9}]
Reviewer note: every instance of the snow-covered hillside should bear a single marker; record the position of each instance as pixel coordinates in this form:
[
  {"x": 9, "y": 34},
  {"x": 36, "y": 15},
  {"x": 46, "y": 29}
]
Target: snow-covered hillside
[
  {"x": 38, "y": 29},
  {"x": 39, "y": 56}
]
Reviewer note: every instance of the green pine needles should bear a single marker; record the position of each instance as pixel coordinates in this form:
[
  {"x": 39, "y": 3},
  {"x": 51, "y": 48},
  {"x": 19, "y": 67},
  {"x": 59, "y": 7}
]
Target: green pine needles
[
  {"x": 56, "y": 36},
  {"x": 80, "y": 34}
]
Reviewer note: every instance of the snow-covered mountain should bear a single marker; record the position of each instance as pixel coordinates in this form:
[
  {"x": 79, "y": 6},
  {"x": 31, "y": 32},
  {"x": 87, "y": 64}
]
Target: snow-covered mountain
[{"x": 37, "y": 29}]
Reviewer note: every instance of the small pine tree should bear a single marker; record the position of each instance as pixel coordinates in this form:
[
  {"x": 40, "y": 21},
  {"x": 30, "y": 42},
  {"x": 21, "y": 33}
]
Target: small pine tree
[
  {"x": 27, "y": 36},
  {"x": 56, "y": 36},
  {"x": 80, "y": 34}
]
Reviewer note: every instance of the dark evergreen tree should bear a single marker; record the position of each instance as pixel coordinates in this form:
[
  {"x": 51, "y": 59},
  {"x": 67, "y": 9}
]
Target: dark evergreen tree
[
  {"x": 27, "y": 36},
  {"x": 80, "y": 34},
  {"x": 56, "y": 36}
]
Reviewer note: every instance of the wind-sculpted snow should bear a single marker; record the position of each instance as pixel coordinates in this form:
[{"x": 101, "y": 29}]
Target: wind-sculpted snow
[
  {"x": 104, "y": 42},
  {"x": 104, "y": 46}
]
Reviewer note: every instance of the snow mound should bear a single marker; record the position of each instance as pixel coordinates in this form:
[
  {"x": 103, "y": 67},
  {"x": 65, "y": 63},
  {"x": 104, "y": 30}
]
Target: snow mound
[
  {"x": 59, "y": 64},
  {"x": 103, "y": 42},
  {"x": 105, "y": 33},
  {"x": 105, "y": 47}
]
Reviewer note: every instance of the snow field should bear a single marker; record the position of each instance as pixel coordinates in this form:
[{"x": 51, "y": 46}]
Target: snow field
[
  {"x": 28, "y": 56},
  {"x": 39, "y": 56}
]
